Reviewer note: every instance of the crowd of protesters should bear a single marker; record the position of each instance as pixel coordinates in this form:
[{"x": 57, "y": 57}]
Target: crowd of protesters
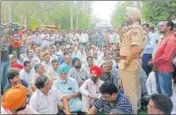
[{"x": 78, "y": 72}]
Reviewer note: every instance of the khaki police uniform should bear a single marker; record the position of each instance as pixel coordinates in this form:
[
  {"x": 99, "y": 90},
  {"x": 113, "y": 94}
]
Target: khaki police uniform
[{"x": 130, "y": 76}]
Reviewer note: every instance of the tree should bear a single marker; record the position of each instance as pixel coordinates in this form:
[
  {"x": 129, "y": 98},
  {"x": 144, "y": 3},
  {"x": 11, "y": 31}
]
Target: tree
[
  {"x": 157, "y": 10},
  {"x": 35, "y": 13},
  {"x": 118, "y": 16}
]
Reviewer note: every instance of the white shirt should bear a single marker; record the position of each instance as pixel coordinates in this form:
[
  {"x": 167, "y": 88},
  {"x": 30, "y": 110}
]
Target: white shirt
[
  {"x": 84, "y": 38},
  {"x": 5, "y": 111},
  {"x": 27, "y": 110},
  {"x": 151, "y": 83},
  {"x": 90, "y": 88},
  {"x": 60, "y": 52},
  {"x": 110, "y": 38},
  {"x": 53, "y": 74},
  {"x": 45, "y": 41},
  {"x": 46, "y": 65},
  {"x": 42, "y": 36},
  {"x": 46, "y": 104},
  {"x": 174, "y": 61},
  {"x": 36, "y": 75},
  {"x": 116, "y": 38},
  {"x": 27, "y": 76}
]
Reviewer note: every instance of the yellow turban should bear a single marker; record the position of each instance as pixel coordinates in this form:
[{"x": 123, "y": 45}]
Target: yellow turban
[
  {"x": 133, "y": 13},
  {"x": 15, "y": 97}
]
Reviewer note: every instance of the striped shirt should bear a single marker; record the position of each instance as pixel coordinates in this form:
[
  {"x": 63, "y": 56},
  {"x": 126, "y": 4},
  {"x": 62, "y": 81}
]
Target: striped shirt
[
  {"x": 80, "y": 76},
  {"x": 121, "y": 102}
]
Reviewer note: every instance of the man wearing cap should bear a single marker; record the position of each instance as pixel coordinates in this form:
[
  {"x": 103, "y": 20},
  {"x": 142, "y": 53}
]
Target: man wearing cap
[
  {"x": 14, "y": 101},
  {"x": 90, "y": 88},
  {"x": 131, "y": 47}
]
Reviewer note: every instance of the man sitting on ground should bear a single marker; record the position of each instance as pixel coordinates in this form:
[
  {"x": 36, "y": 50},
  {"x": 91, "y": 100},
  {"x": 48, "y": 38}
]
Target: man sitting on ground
[
  {"x": 112, "y": 99},
  {"x": 160, "y": 104},
  {"x": 14, "y": 79},
  {"x": 14, "y": 101},
  {"x": 90, "y": 88},
  {"x": 45, "y": 99}
]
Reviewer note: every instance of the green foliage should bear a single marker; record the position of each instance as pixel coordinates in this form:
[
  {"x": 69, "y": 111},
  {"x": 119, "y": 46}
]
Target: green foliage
[
  {"x": 155, "y": 11},
  {"x": 47, "y": 13},
  {"x": 118, "y": 16}
]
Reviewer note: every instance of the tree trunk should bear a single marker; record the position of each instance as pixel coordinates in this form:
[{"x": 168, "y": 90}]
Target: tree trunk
[
  {"x": 10, "y": 12},
  {"x": 71, "y": 15}
]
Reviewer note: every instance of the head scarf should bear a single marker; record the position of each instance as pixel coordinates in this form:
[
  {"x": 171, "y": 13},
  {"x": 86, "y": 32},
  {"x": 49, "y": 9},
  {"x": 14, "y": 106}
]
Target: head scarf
[
  {"x": 63, "y": 68},
  {"x": 133, "y": 13},
  {"x": 97, "y": 70},
  {"x": 15, "y": 97}
]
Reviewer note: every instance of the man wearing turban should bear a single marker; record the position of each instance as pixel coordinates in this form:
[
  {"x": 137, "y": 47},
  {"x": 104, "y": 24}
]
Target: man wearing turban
[
  {"x": 90, "y": 88},
  {"x": 68, "y": 86},
  {"x": 14, "y": 101},
  {"x": 78, "y": 72},
  {"x": 131, "y": 48}
]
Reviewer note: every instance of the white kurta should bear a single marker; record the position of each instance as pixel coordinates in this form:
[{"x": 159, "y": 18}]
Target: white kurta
[{"x": 89, "y": 88}]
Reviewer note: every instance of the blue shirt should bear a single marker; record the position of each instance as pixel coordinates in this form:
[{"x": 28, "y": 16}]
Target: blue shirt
[
  {"x": 68, "y": 87},
  {"x": 151, "y": 43},
  {"x": 121, "y": 102}
]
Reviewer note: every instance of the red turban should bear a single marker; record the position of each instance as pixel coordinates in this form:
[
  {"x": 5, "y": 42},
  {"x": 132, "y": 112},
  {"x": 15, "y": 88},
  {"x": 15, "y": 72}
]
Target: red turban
[
  {"x": 19, "y": 66},
  {"x": 15, "y": 97},
  {"x": 97, "y": 70}
]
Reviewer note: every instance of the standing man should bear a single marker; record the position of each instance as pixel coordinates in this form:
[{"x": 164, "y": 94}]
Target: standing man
[
  {"x": 163, "y": 59},
  {"x": 4, "y": 63},
  {"x": 16, "y": 40},
  {"x": 147, "y": 54},
  {"x": 130, "y": 50}
]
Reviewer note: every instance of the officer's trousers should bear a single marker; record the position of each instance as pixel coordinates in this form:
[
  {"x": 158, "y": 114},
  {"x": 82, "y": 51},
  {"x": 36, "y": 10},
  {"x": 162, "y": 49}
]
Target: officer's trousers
[{"x": 131, "y": 82}]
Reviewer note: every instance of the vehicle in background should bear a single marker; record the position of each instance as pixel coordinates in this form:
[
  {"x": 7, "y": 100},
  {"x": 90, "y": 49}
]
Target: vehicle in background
[{"x": 103, "y": 26}]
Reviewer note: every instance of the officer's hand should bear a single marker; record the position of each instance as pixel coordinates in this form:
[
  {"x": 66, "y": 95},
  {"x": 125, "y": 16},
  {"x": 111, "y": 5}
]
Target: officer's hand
[
  {"x": 125, "y": 66},
  {"x": 150, "y": 63}
]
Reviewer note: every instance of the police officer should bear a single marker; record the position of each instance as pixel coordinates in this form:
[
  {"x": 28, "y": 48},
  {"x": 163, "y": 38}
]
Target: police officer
[{"x": 131, "y": 47}]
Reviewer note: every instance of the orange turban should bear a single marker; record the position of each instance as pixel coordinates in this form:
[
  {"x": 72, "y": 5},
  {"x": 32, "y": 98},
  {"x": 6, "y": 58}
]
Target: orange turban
[
  {"x": 97, "y": 70},
  {"x": 15, "y": 97}
]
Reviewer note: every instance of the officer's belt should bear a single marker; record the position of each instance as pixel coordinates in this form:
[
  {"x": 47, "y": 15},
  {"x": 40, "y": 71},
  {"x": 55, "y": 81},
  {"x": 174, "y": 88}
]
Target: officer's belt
[{"x": 125, "y": 57}]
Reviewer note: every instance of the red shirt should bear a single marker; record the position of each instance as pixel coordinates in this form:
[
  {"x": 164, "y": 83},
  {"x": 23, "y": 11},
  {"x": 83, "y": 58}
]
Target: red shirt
[
  {"x": 16, "y": 40},
  {"x": 165, "y": 54}
]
